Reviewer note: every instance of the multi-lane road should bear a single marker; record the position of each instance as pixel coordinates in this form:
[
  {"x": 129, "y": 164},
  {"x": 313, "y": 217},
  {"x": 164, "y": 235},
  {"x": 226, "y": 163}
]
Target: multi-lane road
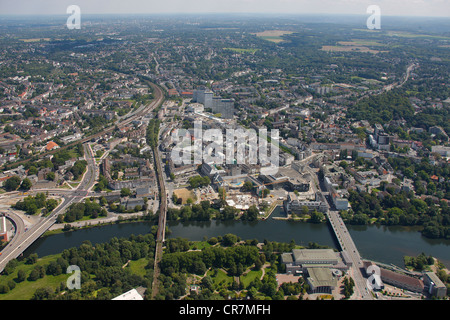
[
  {"x": 23, "y": 239},
  {"x": 347, "y": 244}
]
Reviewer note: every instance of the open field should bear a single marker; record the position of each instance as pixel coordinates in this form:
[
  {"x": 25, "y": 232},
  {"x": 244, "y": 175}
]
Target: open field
[
  {"x": 220, "y": 278},
  {"x": 360, "y": 42},
  {"x": 250, "y": 276},
  {"x": 272, "y": 35},
  {"x": 414, "y": 35},
  {"x": 35, "y": 39},
  {"x": 184, "y": 194},
  {"x": 24, "y": 290},
  {"x": 349, "y": 48},
  {"x": 240, "y": 50},
  {"x": 138, "y": 266}
]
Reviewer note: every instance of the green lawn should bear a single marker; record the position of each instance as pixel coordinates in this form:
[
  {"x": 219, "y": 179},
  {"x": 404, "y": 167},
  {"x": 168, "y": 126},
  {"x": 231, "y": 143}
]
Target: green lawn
[
  {"x": 249, "y": 277},
  {"x": 25, "y": 290},
  {"x": 221, "y": 279},
  {"x": 199, "y": 245},
  {"x": 138, "y": 267}
]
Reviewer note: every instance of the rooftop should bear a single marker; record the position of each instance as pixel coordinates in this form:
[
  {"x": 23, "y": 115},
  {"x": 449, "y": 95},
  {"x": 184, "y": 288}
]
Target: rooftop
[
  {"x": 314, "y": 255},
  {"x": 321, "y": 277}
]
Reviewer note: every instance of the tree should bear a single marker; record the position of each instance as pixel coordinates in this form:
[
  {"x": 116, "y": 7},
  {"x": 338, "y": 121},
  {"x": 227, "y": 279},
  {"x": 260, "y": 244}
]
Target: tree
[
  {"x": 12, "y": 183},
  {"x": 26, "y": 184},
  {"x": 50, "y": 176},
  {"x": 317, "y": 216},
  {"x": 46, "y": 293},
  {"x": 125, "y": 192},
  {"x": 252, "y": 213},
  {"x": 21, "y": 275},
  {"x": 229, "y": 239},
  {"x": 32, "y": 258},
  {"x": 248, "y": 186}
]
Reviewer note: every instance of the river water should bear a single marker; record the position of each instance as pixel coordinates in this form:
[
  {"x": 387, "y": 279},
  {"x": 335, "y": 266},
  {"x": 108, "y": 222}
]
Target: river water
[{"x": 378, "y": 243}]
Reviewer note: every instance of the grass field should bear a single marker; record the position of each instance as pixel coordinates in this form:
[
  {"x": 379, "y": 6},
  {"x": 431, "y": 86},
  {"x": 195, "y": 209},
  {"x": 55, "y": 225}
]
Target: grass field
[
  {"x": 220, "y": 278},
  {"x": 240, "y": 50},
  {"x": 25, "y": 290},
  {"x": 415, "y": 35},
  {"x": 249, "y": 277},
  {"x": 184, "y": 194},
  {"x": 273, "y": 35},
  {"x": 349, "y": 48},
  {"x": 200, "y": 245},
  {"x": 138, "y": 266},
  {"x": 35, "y": 39},
  {"x": 360, "y": 42}
]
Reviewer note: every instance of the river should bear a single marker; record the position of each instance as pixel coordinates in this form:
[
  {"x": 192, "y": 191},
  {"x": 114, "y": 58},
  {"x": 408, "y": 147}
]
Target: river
[{"x": 379, "y": 243}]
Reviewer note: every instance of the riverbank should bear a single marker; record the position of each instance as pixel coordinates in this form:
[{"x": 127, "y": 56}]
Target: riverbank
[
  {"x": 59, "y": 228},
  {"x": 387, "y": 244}
]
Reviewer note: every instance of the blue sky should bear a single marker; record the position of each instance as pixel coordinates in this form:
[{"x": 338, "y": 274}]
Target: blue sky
[{"x": 388, "y": 7}]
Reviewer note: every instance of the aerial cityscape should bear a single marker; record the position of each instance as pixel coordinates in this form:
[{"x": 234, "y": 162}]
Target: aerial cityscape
[{"x": 224, "y": 155}]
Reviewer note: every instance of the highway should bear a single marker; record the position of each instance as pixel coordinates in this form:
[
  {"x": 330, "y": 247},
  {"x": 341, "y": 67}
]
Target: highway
[{"x": 23, "y": 239}]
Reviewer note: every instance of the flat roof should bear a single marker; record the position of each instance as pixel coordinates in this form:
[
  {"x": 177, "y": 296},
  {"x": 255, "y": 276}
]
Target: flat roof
[
  {"x": 321, "y": 277},
  {"x": 316, "y": 255},
  {"x": 433, "y": 277},
  {"x": 286, "y": 258}
]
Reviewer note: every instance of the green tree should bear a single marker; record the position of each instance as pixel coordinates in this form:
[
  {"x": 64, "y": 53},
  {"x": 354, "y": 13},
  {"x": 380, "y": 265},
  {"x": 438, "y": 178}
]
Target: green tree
[
  {"x": 50, "y": 176},
  {"x": 125, "y": 192},
  {"x": 21, "y": 275},
  {"x": 317, "y": 216},
  {"x": 12, "y": 183},
  {"x": 26, "y": 184}
]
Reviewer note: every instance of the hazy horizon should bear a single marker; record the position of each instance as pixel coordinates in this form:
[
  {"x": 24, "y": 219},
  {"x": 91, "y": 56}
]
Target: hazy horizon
[{"x": 404, "y": 8}]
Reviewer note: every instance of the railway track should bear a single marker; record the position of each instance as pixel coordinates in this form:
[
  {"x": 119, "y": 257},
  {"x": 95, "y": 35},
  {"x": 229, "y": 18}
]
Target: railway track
[{"x": 139, "y": 113}]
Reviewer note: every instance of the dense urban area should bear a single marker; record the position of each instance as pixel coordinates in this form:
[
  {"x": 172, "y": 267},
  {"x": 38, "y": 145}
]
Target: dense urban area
[{"x": 90, "y": 121}]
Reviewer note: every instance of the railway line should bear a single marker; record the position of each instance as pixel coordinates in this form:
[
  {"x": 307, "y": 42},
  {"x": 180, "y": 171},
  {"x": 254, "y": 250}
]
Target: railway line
[{"x": 22, "y": 239}]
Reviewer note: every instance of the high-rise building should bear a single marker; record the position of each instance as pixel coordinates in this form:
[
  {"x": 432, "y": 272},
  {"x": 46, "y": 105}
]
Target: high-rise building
[
  {"x": 223, "y": 106},
  {"x": 204, "y": 97},
  {"x": 217, "y": 105}
]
